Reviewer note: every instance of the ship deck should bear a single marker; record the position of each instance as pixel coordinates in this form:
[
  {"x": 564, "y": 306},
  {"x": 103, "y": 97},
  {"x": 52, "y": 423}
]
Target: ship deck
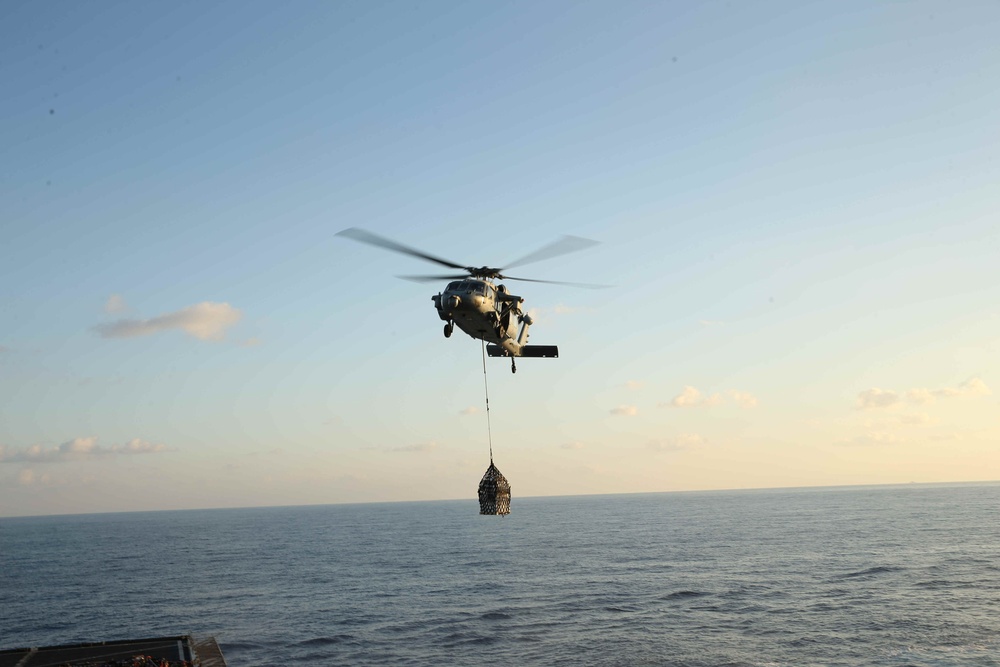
[{"x": 151, "y": 652}]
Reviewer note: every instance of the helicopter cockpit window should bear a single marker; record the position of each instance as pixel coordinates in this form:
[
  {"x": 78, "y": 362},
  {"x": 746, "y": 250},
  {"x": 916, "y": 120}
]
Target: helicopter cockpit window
[{"x": 452, "y": 287}]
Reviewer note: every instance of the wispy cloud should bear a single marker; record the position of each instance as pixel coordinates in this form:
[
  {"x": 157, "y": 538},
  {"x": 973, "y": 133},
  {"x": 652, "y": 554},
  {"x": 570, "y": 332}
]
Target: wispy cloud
[
  {"x": 204, "y": 321},
  {"x": 968, "y": 389},
  {"x": 744, "y": 399},
  {"x": 571, "y": 445},
  {"x": 917, "y": 419},
  {"x": 877, "y": 398},
  {"x": 115, "y": 304},
  {"x": 77, "y": 449},
  {"x": 873, "y": 439},
  {"x": 690, "y": 397},
  {"x": 677, "y": 443},
  {"x": 471, "y": 410},
  {"x": 625, "y": 411},
  {"x": 28, "y": 477},
  {"x": 634, "y": 385},
  {"x": 884, "y": 398}
]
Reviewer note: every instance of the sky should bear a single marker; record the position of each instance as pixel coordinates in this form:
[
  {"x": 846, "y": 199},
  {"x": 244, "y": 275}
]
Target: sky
[{"x": 797, "y": 206}]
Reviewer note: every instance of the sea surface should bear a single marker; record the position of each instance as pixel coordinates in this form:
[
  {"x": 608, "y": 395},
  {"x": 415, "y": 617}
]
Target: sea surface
[{"x": 902, "y": 575}]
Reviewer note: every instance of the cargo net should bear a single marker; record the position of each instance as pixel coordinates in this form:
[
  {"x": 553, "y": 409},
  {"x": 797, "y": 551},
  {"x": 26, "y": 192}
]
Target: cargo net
[{"x": 494, "y": 492}]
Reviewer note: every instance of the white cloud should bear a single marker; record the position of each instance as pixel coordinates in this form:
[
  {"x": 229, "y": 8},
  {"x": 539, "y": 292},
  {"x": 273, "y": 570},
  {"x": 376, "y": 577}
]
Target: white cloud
[
  {"x": 677, "y": 443},
  {"x": 29, "y": 477},
  {"x": 710, "y": 323},
  {"x": 744, "y": 399},
  {"x": 625, "y": 410},
  {"x": 77, "y": 449},
  {"x": 877, "y": 398},
  {"x": 634, "y": 385},
  {"x": 873, "y": 439},
  {"x": 917, "y": 419},
  {"x": 920, "y": 396},
  {"x": 974, "y": 387},
  {"x": 471, "y": 410},
  {"x": 571, "y": 445},
  {"x": 115, "y": 304},
  {"x": 688, "y": 397},
  {"x": 204, "y": 321},
  {"x": 692, "y": 398}
]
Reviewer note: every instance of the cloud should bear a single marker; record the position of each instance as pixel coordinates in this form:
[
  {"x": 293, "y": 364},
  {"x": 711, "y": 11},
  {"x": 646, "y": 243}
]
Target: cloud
[
  {"x": 419, "y": 448},
  {"x": 634, "y": 385},
  {"x": 710, "y": 323},
  {"x": 471, "y": 410},
  {"x": 115, "y": 304},
  {"x": 744, "y": 399},
  {"x": 625, "y": 410},
  {"x": 968, "y": 389},
  {"x": 29, "y": 477},
  {"x": 877, "y": 398},
  {"x": 692, "y": 398},
  {"x": 571, "y": 445},
  {"x": 688, "y": 397},
  {"x": 677, "y": 443},
  {"x": 920, "y": 396},
  {"x": 204, "y": 321},
  {"x": 77, "y": 449},
  {"x": 974, "y": 387},
  {"x": 917, "y": 419},
  {"x": 874, "y": 439}
]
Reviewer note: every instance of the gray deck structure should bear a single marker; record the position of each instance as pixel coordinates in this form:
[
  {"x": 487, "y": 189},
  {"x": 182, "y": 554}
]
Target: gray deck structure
[{"x": 174, "y": 651}]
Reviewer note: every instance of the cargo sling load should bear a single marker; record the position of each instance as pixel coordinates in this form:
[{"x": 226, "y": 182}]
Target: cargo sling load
[{"x": 494, "y": 492}]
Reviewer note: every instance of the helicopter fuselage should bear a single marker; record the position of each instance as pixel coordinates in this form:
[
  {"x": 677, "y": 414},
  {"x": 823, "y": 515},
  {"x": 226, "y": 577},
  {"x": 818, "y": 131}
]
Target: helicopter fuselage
[{"x": 484, "y": 311}]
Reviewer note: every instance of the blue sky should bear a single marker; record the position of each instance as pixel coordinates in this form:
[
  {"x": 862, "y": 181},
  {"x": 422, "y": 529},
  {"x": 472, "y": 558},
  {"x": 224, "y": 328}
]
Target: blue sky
[{"x": 797, "y": 207}]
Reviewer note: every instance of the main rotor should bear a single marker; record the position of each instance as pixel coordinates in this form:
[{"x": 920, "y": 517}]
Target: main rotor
[{"x": 561, "y": 246}]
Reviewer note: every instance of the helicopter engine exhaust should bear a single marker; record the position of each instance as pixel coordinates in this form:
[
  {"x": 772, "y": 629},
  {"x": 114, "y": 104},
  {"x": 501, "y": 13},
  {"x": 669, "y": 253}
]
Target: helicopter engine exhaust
[{"x": 522, "y": 336}]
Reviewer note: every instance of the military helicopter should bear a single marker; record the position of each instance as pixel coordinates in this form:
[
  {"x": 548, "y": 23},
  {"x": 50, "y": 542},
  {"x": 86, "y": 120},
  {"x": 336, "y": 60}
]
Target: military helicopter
[{"x": 479, "y": 307}]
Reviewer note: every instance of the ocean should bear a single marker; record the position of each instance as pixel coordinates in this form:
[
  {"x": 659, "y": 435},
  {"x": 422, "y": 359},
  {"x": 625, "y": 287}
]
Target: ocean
[{"x": 900, "y": 575}]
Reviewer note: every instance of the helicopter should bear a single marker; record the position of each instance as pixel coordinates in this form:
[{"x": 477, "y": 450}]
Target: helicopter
[{"x": 479, "y": 306}]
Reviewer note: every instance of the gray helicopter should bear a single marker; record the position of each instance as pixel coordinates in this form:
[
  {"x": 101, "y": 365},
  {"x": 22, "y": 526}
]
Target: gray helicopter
[{"x": 476, "y": 304}]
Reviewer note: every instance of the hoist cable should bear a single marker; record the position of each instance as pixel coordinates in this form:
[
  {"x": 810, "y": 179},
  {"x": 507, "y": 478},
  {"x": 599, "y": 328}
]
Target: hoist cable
[{"x": 486, "y": 384}]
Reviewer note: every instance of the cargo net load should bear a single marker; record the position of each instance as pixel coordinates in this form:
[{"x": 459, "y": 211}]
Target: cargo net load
[{"x": 494, "y": 492}]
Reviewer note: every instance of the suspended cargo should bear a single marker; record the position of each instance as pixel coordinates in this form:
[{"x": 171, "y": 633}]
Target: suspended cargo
[{"x": 494, "y": 492}]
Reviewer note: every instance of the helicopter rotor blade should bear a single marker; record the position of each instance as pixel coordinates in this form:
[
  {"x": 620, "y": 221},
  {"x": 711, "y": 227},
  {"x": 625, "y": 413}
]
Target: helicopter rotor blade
[
  {"x": 560, "y": 246},
  {"x": 432, "y": 279},
  {"x": 382, "y": 242},
  {"x": 557, "y": 282}
]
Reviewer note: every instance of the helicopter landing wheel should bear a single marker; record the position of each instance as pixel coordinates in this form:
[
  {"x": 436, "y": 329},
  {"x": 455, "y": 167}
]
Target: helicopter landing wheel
[{"x": 448, "y": 328}]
